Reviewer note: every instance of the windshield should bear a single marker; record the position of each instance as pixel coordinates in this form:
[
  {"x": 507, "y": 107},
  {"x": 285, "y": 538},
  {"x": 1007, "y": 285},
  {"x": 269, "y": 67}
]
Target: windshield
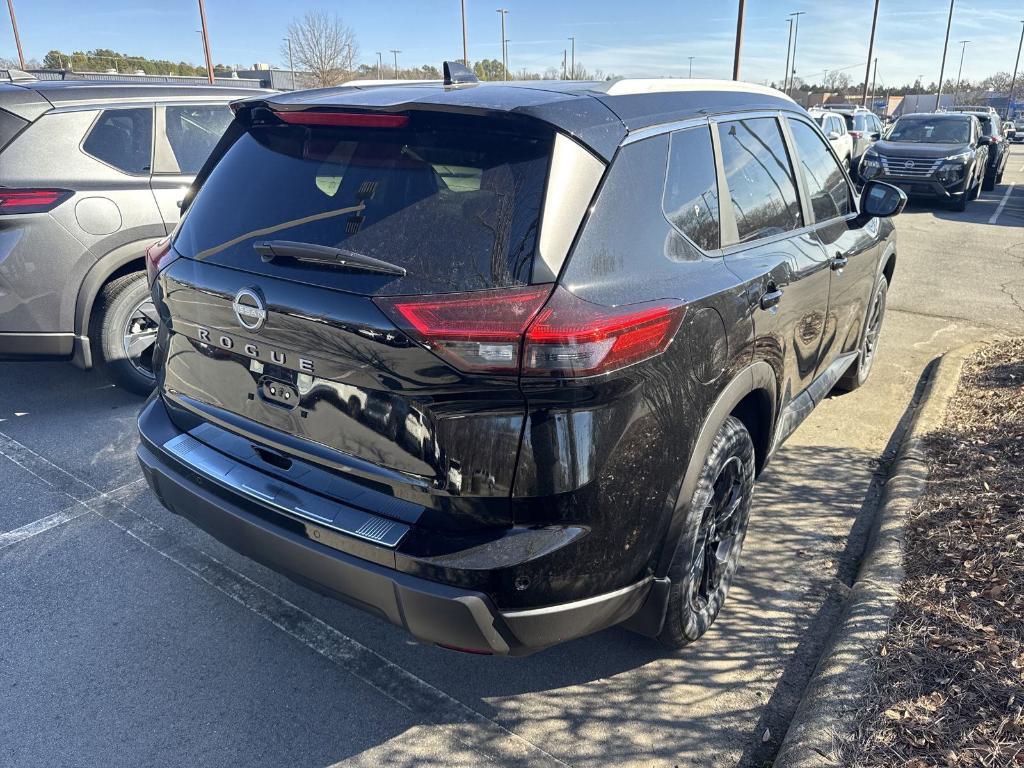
[
  {"x": 453, "y": 201},
  {"x": 931, "y": 130}
]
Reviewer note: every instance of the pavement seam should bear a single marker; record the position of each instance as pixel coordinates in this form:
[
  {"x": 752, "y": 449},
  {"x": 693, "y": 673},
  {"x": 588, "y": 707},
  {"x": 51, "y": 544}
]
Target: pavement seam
[
  {"x": 471, "y": 728},
  {"x": 825, "y": 717}
]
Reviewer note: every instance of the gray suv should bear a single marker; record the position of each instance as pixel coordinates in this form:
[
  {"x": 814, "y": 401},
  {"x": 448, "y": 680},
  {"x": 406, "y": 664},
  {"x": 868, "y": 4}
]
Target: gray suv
[
  {"x": 863, "y": 126},
  {"x": 91, "y": 174}
]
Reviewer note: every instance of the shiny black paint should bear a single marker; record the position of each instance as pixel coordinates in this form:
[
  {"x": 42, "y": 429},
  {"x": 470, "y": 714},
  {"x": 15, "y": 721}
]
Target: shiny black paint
[{"x": 533, "y": 492}]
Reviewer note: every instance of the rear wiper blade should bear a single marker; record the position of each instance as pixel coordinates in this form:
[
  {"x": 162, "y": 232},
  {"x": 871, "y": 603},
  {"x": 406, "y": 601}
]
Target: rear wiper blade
[{"x": 325, "y": 255}]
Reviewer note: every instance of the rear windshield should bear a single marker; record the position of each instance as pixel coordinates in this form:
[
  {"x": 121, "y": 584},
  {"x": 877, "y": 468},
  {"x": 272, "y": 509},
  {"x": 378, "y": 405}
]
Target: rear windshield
[{"x": 456, "y": 201}]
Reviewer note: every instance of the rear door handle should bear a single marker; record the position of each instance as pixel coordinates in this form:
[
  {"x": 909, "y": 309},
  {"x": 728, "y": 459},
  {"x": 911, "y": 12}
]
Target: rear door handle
[{"x": 771, "y": 298}]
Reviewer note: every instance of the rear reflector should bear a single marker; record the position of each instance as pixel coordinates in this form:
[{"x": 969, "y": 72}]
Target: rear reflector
[
  {"x": 345, "y": 119},
  {"x": 522, "y": 330},
  {"x": 31, "y": 200}
]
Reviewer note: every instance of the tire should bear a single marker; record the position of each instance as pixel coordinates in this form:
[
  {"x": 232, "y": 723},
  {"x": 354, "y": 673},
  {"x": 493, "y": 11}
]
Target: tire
[
  {"x": 858, "y": 373},
  {"x": 708, "y": 551},
  {"x": 960, "y": 203},
  {"x": 988, "y": 184},
  {"x": 122, "y": 331}
]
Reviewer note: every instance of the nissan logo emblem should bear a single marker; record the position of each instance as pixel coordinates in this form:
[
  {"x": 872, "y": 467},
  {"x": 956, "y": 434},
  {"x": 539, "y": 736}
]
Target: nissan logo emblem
[
  {"x": 250, "y": 311},
  {"x": 909, "y": 164}
]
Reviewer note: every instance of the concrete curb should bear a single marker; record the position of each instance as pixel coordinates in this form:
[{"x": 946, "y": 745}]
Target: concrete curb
[{"x": 825, "y": 717}]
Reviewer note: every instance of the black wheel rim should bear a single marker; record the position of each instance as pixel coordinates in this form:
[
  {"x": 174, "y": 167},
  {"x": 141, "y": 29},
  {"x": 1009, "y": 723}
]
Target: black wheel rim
[
  {"x": 139, "y": 335},
  {"x": 871, "y": 334},
  {"x": 717, "y": 539}
]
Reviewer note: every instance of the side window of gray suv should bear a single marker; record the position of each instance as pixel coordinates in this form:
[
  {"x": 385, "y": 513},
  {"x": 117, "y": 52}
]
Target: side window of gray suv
[
  {"x": 193, "y": 132},
  {"x": 690, "y": 201},
  {"x": 123, "y": 138}
]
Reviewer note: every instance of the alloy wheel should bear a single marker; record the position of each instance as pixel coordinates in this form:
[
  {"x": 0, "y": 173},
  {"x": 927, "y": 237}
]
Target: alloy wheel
[
  {"x": 140, "y": 335},
  {"x": 718, "y": 534}
]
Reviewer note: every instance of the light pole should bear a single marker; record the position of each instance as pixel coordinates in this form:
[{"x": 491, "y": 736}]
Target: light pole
[
  {"x": 963, "y": 50},
  {"x": 206, "y": 41},
  {"x": 1016, "y": 65},
  {"x": 572, "y": 71},
  {"x": 17, "y": 37},
  {"x": 945, "y": 48},
  {"x": 796, "y": 32},
  {"x": 739, "y": 41},
  {"x": 380, "y": 65},
  {"x": 291, "y": 61},
  {"x": 874, "y": 77},
  {"x": 465, "y": 43},
  {"x": 504, "y": 48},
  {"x": 691, "y": 65},
  {"x": 565, "y": 56},
  {"x": 871, "y": 50},
  {"x": 395, "y": 51},
  {"x": 789, "y": 50}
]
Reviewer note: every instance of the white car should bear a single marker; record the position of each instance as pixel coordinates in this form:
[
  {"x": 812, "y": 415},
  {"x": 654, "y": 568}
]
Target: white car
[{"x": 834, "y": 128}]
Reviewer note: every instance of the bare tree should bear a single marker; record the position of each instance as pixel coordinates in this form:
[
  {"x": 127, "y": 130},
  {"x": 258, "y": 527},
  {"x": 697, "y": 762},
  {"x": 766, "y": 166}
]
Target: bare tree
[
  {"x": 836, "y": 82},
  {"x": 323, "y": 46}
]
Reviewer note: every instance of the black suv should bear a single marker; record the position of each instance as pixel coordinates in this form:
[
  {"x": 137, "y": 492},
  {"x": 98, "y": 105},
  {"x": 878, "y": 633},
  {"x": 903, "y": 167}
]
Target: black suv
[
  {"x": 938, "y": 155},
  {"x": 998, "y": 143},
  {"x": 91, "y": 174},
  {"x": 499, "y": 363}
]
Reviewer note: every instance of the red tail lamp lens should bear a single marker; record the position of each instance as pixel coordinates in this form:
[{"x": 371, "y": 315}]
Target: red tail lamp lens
[
  {"x": 158, "y": 256},
  {"x": 479, "y": 331},
  {"x": 344, "y": 119},
  {"x": 31, "y": 200},
  {"x": 573, "y": 337}
]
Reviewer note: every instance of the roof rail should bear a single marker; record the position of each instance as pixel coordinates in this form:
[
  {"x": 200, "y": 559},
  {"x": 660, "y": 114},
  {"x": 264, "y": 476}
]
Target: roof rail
[{"x": 635, "y": 85}]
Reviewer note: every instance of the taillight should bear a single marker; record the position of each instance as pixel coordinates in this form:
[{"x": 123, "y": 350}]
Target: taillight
[
  {"x": 158, "y": 256},
  {"x": 479, "y": 331},
  {"x": 31, "y": 200},
  {"x": 344, "y": 119},
  {"x": 573, "y": 337},
  {"x": 856, "y": 134},
  {"x": 522, "y": 330}
]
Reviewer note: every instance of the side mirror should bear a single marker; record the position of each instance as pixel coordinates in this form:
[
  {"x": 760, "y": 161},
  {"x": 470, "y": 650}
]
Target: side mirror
[
  {"x": 881, "y": 199},
  {"x": 876, "y": 135},
  {"x": 984, "y": 140},
  {"x": 833, "y": 135}
]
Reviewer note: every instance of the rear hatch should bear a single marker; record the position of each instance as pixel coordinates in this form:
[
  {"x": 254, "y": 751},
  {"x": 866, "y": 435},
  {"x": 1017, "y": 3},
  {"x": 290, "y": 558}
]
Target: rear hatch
[{"x": 313, "y": 238}]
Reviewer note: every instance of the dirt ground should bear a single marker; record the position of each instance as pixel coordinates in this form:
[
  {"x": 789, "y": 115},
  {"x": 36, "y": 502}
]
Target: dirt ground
[{"x": 948, "y": 688}]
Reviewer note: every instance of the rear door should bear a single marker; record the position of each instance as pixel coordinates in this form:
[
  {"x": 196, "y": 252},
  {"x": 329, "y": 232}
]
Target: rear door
[
  {"x": 383, "y": 365},
  {"x": 185, "y": 136},
  {"x": 772, "y": 249}
]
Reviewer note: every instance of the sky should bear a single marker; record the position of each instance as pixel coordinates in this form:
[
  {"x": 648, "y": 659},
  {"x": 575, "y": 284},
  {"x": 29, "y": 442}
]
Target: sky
[{"x": 635, "y": 38}]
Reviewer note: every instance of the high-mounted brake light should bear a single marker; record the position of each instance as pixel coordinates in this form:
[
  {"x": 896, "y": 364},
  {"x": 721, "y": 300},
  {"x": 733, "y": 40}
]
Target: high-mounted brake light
[
  {"x": 158, "y": 256},
  {"x": 31, "y": 200},
  {"x": 344, "y": 119},
  {"x": 535, "y": 332}
]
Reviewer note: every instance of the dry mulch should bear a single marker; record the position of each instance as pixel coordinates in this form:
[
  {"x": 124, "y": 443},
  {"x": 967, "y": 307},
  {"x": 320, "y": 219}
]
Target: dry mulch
[{"x": 948, "y": 688}]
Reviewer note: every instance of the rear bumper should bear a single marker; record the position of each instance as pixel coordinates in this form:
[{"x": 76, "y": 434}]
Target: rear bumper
[{"x": 431, "y": 611}]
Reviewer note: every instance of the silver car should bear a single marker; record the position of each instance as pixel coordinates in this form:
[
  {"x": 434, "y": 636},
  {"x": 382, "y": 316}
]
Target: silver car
[{"x": 91, "y": 174}]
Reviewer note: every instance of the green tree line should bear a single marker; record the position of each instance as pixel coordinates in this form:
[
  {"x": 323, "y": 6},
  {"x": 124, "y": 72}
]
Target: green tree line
[{"x": 103, "y": 59}]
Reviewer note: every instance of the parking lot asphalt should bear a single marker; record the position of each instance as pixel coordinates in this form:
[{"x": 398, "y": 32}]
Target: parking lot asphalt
[{"x": 128, "y": 637}]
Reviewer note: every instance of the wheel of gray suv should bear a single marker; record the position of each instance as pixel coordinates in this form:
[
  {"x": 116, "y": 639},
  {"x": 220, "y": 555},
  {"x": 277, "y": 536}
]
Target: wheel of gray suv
[
  {"x": 123, "y": 332},
  {"x": 858, "y": 373},
  {"x": 708, "y": 551}
]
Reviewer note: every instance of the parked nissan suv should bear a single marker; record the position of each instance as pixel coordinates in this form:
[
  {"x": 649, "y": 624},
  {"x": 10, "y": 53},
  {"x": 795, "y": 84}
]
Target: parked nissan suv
[
  {"x": 935, "y": 155},
  {"x": 500, "y": 363},
  {"x": 91, "y": 174}
]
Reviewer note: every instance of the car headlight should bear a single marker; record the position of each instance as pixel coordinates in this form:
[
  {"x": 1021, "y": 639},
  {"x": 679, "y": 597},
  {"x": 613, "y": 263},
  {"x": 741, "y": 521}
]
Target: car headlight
[
  {"x": 870, "y": 165},
  {"x": 960, "y": 157}
]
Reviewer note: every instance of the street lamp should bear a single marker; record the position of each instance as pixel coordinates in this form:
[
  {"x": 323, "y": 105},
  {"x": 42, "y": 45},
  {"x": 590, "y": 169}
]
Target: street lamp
[
  {"x": 380, "y": 65},
  {"x": 871, "y": 51},
  {"x": 739, "y": 41},
  {"x": 17, "y": 37},
  {"x": 504, "y": 44},
  {"x": 963, "y": 50},
  {"x": 691, "y": 65},
  {"x": 789, "y": 50},
  {"x": 796, "y": 33},
  {"x": 206, "y": 42},
  {"x": 1016, "y": 65},
  {"x": 395, "y": 51},
  {"x": 465, "y": 44},
  {"x": 572, "y": 70},
  {"x": 291, "y": 61},
  {"x": 945, "y": 48}
]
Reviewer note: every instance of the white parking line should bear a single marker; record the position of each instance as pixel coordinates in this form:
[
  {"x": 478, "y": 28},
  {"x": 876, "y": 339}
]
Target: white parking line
[
  {"x": 1002, "y": 203},
  {"x": 476, "y": 731},
  {"x": 42, "y": 525}
]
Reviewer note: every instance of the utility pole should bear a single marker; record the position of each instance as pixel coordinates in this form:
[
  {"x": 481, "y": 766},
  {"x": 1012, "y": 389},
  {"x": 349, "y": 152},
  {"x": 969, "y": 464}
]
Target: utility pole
[
  {"x": 1016, "y": 65},
  {"x": 789, "y": 50},
  {"x": 17, "y": 37},
  {"x": 874, "y": 77},
  {"x": 395, "y": 51},
  {"x": 565, "y": 55},
  {"x": 691, "y": 65},
  {"x": 380, "y": 65},
  {"x": 206, "y": 41},
  {"x": 504, "y": 46},
  {"x": 796, "y": 33},
  {"x": 963, "y": 50},
  {"x": 871, "y": 50},
  {"x": 572, "y": 71},
  {"x": 739, "y": 42},
  {"x": 291, "y": 62},
  {"x": 465, "y": 40},
  {"x": 945, "y": 48}
]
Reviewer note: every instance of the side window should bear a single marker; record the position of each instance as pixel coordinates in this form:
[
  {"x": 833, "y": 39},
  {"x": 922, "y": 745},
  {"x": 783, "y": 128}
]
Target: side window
[
  {"x": 193, "y": 132},
  {"x": 690, "y": 201},
  {"x": 826, "y": 184},
  {"x": 759, "y": 177},
  {"x": 122, "y": 138}
]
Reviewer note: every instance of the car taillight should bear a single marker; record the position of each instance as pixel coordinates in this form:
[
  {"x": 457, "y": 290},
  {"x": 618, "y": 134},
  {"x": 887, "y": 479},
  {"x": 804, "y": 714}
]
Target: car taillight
[
  {"x": 522, "y": 330},
  {"x": 856, "y": 134},
  {"x": 31, "y": 200},
  {"x": 573, "y": 337},
  {"x": 344, "y": 119},
  {"x": 158, "y": 256}
]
